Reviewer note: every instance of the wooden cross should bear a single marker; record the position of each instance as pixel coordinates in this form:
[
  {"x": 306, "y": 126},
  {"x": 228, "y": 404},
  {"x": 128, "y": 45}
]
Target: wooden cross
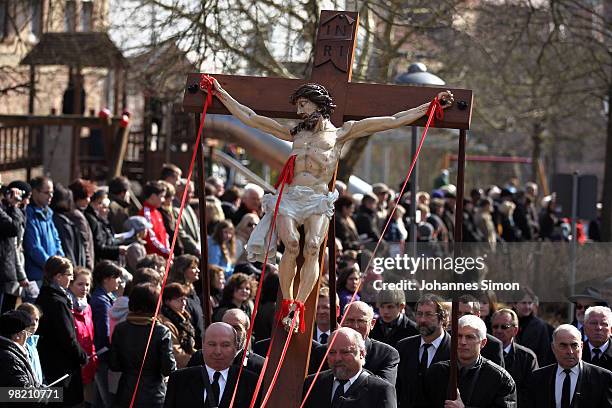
[{"x": 334, "y": 54}]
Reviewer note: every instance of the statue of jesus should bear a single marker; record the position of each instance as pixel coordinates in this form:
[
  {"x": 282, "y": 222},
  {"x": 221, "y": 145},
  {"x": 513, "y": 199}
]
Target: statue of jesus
[{"x": 307, "y": 201}]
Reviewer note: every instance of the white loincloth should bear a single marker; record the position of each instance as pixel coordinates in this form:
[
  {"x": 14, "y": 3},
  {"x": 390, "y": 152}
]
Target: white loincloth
[{"x": 299, "y": 203}]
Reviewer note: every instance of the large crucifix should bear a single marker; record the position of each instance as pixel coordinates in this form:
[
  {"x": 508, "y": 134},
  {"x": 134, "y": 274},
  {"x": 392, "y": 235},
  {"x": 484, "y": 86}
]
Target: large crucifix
[{"x": 269, "y": 97}]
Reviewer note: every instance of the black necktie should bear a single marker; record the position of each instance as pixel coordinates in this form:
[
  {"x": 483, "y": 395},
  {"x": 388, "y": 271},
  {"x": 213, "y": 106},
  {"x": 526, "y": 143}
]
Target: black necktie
[
  {"x": 596, "y": 355},
  {"x": 323, "y": 338},
  {"x": 565, "y": 391},
  {"x": 424, "y": 358},
  {"x": 339, "y": 392},
  {"x": 213, "y": 400}
]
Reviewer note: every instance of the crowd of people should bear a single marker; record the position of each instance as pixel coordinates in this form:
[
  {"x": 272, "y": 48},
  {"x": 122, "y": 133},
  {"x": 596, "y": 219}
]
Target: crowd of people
[{"x": 82, "y": 267}]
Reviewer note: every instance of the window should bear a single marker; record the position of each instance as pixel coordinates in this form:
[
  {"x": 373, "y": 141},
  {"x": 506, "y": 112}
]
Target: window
[
  {"x": 86, "y": 15},
  {"x": 36, "y": 17},
  {"x": 70, "y": 15}
]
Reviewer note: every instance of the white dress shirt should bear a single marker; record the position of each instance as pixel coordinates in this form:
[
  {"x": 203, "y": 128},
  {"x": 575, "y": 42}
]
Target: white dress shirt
[
  {"x": 431, "y": 351},
  {"x": 560, "y": 377},
  {"x": 603, "y": 348},
  {"x": 347, "y": 385},
  {"x": 222, "y": 380},
  {"x": 319, "y": 333}
]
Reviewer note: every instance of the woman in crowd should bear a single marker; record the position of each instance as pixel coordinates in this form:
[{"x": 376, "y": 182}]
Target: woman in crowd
[
  {"x": 236, "y": 294},
  {"x": 82, "y": 190},
  {"x": 107, "y": 277},
  {"x": 136, "y": 250},
  {"x": 119, "y": 310},
  {"x": 128, "y": 348},
  {"x": 60, "y": 352},
  {"x": 32, "y": 341},
  {"x": 106, "y": 246},
  {"x": 488, "y": 306},
  {"x": 243, "y": 231},
  {"x": 167, "y": 211},
  {"x": 16, "y": 369},
  {"x": 222, "y": 247},
  {"x": 175, "y": 316},
  {"x": 81, "y": 310},
  {"x": 348, "y": 281},
  {"x": 396, "y": 234},
  {"x": 346, "y": 230},
  {"x": 71, "y": 237},
  {"x": 185, "y": 271},
  {"x": 217, "y": 283}
]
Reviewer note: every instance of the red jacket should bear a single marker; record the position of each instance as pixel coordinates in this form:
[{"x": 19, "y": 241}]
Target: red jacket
[
  {"x": 83, "y": 325},
  {"x": 157, "y": 237}
]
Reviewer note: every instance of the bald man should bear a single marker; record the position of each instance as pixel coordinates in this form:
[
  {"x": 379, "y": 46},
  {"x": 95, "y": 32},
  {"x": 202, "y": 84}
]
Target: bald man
[
  {"x": 570, "y": 382},
  {"x": 212, "y": 384},
  {"x": 240, "y": 322},
  {"x": 347, "y": 383}
]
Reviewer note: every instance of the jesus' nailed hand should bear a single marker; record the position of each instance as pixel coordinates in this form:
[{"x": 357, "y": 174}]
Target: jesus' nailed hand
[{"x": 317, "y": 144}]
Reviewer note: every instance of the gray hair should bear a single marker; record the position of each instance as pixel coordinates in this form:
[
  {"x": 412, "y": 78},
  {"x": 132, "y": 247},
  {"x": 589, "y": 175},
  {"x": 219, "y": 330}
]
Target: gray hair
[
  {"x": 239, "y": 313},
  {"x": 255, "y": 188},
  {"x": 604, "y": 310},
  {"x": 474, "y": 322},
  {"x": 353, "y": 335},
  {"x": 363, "y": 306},
  {"x": 567, "y": 328},
  {"x": 510, "y": 312}
]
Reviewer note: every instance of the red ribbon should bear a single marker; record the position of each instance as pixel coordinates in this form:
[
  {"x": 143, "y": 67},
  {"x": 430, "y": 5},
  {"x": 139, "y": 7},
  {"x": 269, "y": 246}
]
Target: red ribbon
[
  {"x": 208, "y": 83},
  {"x": 435, "y": 109},
  {"x": 286, "y": 175}
]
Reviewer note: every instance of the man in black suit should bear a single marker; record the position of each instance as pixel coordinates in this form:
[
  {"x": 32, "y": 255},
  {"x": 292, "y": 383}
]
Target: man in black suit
[
  {"x": 597, "y": 328},
  {"x": 212, "y": 384},
  {"x": 321, "y": 331},
  {"x": 417, "y": 353},
  {"x": 534, "y": 333},
  {"x": 240, "y": 322},
  {"x": 570, "y": 383},
  {"x": 347, "y": 384},
  {"x": 393, "y": 324},
  {"x": 381, "y": 359},
  {"x": 519, "y": 361},
  {"x": 493, "y": 349},
  {"x": 481, "y": 383}
]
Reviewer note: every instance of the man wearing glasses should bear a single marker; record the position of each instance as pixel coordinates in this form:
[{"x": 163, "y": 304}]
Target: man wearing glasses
[
  {"x": 519, "y": 361},
  {"x": 583, "y": 301},
  {"x": 41, "y": 239},
  {"x": 381, "y": 359},
  {"x": 418, "y": 353}
]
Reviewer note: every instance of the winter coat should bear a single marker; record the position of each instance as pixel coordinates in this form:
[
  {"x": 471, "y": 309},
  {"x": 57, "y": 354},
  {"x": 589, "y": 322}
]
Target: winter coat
[
  {"x": 170, "y": 224},
  {"x": 84, "y": 328},
  {"x": 72, "y": 242},
  {"x": 15, "y": 368},
  {"x": 126, "y": 355},
  {"x": 157, "y": 238},
  {"x": 106, "y": 246},
  {"x": 31, "y": 345},
  {"x": 41, "y": 240},
  {"x": 10, "y": 224},
  {"x": 101, "y": 303},
  {"x": 182, "y": 332},
  {"x": 60, "y": 352},
  {"x": 119, "y": 212},
  {"x": 189, "y": 231},
  {"x": 87, "y": 238}
]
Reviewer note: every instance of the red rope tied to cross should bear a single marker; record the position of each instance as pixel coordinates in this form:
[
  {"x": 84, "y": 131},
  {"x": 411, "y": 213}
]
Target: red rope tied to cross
[
  {"x": 206, "y": 84},
  {"x": 435, "y": 109},
  {"x": 286, "y": 177}
]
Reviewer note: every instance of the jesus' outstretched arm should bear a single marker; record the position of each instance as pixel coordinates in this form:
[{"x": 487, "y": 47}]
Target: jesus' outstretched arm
[
  {"x": 357, "y": 129},
  {"x": 247, "y": 116}
]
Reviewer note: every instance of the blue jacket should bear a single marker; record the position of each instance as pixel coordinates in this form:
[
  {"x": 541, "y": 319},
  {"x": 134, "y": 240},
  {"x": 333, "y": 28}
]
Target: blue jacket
[
  {"x": 30, "y": 345},
  {"x": 40, "y": 242},
  {"x": 101, "y": 304}
]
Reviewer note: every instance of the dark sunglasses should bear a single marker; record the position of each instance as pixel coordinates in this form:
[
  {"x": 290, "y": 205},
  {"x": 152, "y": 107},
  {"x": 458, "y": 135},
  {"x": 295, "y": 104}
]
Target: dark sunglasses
[{"x": 502, "y": 326}]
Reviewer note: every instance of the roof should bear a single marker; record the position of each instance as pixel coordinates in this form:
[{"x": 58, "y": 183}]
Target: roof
[{"x": 89, "y": 49}]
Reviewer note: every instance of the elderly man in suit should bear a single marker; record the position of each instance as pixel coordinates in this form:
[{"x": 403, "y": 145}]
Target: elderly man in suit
[
  {"x": 381, "y": 359},
  {"x": 212, "y": 384},
  {"x": 417, "y": 353},
  {"x": 570, "y": 382},
  {"x": 481, "y": 383},
  {"x": 519, "y": 361},
  {"x": 597, "y": 328},
  {"x": 347, "y": 383}
]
